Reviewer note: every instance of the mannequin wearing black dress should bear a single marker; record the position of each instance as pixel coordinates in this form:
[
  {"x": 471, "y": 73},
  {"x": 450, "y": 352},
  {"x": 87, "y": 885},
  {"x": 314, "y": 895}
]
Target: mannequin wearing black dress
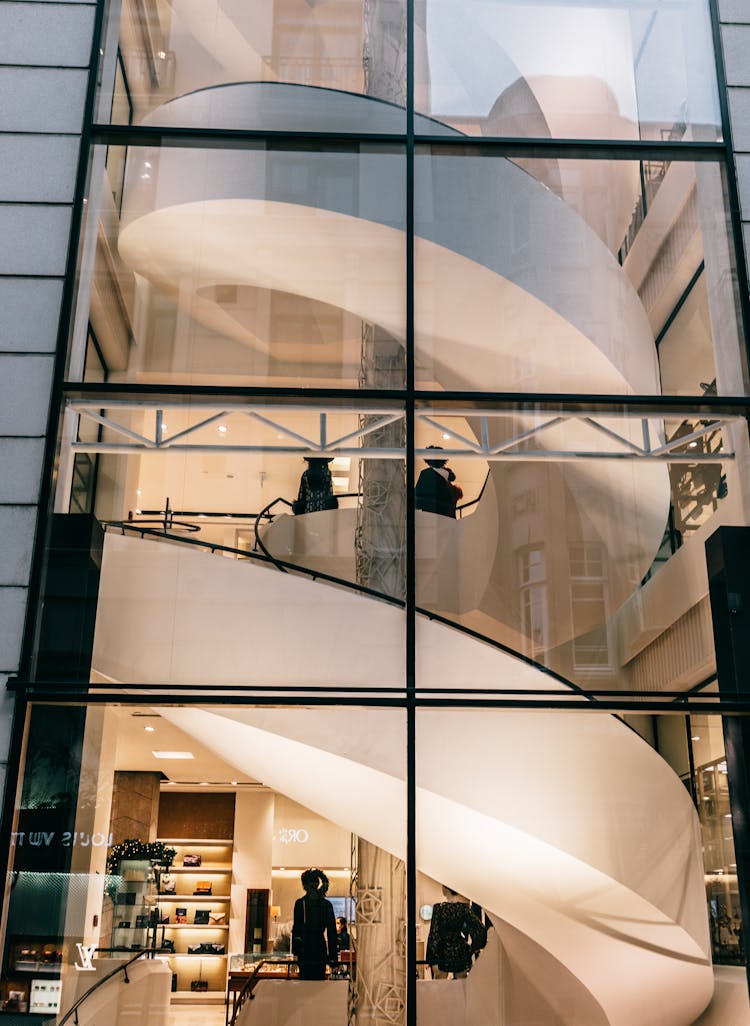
[
  {"x": 456, "y": 935},
  {"x": 314, "y": 931}
]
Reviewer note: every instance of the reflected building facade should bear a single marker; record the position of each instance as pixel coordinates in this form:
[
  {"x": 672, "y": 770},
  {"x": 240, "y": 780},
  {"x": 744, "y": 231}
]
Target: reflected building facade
[{"x": 358, "y": 231}]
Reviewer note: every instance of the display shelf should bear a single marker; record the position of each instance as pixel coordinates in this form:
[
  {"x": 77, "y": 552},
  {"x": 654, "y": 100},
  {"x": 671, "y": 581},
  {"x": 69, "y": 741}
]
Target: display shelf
[
  {"x": 195, "y": 842},
  {"x": 185, "y": 954},
  {"x": 224, "y": 870},
  {"x": 216, "y": 867},
  {"x": 194, "y": 997},
  {"x": 193, "y": 926},
  {"x": 187, "y": 899}
]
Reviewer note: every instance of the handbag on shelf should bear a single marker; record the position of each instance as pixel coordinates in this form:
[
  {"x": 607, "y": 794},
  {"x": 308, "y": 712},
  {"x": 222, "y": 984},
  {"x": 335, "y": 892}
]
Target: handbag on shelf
[
  {"x": 199, "y": 985},
  {"x": 192, "y": 860},
  {"x": 203, "y": 887},
  {"x": 217, "y": 918},
  {"x": 201, "y": 917},
  {"x": 180, "y": 915},
  {"x": 167, "y": 884},
  {"x": 205, "y": 949}
]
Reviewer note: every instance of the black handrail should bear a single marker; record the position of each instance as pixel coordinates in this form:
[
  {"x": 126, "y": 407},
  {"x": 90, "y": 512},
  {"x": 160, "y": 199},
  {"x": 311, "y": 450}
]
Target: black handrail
[
  {"x": 363, "y": 589},
  {"x": 251, "y": 983},
  {"x": 473, "y": 502},
  {"x": 266, "y": 512},
  {"x": 73, "y": 1010}
]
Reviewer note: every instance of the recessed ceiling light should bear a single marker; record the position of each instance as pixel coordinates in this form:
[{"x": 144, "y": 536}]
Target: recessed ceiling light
[
  {"x": 150, "y": 729},
  {"x": 204, "y": 783},
  {"x": 695, "y": 737},
  {"x": 172, "y": 755},
  {"x": 446, "y": 436},
  {"x": 222, "y": 429},
  {"x": 234, "y": 782}
]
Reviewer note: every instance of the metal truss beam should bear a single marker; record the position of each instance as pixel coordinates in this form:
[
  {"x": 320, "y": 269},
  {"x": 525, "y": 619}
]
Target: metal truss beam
[{"x": 695, "y": 440}]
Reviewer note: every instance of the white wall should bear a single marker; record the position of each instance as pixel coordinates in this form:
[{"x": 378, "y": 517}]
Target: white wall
[
  {"x": 44, "y": 57},
  {"x": 253, "y": 830}
]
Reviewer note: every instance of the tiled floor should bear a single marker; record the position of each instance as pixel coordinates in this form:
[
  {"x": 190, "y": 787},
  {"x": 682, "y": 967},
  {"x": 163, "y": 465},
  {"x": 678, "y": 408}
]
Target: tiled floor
[{"x": 196, "y": 1015}]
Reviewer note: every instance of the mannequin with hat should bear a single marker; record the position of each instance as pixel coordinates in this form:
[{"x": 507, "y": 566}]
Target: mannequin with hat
[
  {"x": 435, "y": 491},
  {"x": 315, "y": 487}
]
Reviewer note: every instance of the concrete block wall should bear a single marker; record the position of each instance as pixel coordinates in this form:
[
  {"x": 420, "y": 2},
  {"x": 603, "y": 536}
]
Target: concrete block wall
[
  {"x": 734, "y": 16},
  {"x": 45, "y": 50}
]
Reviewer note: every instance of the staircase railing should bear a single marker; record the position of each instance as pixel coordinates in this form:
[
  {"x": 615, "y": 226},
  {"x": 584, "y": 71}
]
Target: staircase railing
[
  {"x": 342, "y": 582},
  {"x": 73, "y": 1010},
  {"x": 246, "y": 994}
]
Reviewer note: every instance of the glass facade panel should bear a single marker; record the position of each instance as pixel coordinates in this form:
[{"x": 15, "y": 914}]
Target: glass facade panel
[
  {"x": 565, "y": 830},
  {"x": 287, "y": 65},
  {"x": 568, "y": 540},
  {"x": 568, "y": 70},
  {"x": 169, "y": 833},
  {"x": 226, "y": 525},
  {"x": 255, "y": 266},
  {"x": 560, "y": 275}
]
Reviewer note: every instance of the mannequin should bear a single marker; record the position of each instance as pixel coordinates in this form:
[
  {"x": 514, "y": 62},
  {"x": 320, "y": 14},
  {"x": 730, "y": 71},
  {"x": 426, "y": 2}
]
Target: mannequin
[
  {"x": 456, "y": 936},
  {"x": 314, "y": 930}
]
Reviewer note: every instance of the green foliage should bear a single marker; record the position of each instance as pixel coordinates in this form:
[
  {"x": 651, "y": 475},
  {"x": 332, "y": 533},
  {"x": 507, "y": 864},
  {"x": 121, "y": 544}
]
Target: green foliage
[{"x": 146, "y": 851}]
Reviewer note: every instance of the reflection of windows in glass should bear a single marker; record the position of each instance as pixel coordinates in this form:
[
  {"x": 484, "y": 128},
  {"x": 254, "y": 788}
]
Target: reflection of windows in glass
[
  {"x": 720, "y": 861},
  {"x": 589, "y": 606},
  {"x": 326, "y": 55},
  {"x": 532, "y": 572},
  {"x": 86, "y": 466}
]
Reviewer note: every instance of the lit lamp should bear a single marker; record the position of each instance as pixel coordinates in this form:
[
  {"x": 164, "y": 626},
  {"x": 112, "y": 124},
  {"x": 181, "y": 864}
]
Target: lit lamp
[{"x": 275, "y": 912}]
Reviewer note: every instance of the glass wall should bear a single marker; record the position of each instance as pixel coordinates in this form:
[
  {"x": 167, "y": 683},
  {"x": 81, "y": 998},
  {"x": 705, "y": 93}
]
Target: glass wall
[
  {"x": 395, "y": 418},
  {"x": 175, "y": 838},
  {"x": 568, "y": 70}
]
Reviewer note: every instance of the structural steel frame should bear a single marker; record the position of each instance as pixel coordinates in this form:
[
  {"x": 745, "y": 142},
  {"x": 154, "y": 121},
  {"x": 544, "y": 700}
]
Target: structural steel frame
[{"x": 523, "y": 445}]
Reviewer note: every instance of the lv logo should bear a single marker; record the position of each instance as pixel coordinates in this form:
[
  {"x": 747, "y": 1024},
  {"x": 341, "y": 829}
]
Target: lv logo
[{"x": 86, "y": 954}]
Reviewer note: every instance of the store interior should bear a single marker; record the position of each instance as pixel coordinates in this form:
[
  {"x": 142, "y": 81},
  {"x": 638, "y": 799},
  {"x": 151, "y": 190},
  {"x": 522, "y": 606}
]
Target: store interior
[{"x": 141, "y": 775}]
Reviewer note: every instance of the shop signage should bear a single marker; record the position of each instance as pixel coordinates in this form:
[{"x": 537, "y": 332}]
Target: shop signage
[
  {"x": 293, "y": 835},
  {"x": 86, "y": 955},
  {"x": 68, "y": 839}
]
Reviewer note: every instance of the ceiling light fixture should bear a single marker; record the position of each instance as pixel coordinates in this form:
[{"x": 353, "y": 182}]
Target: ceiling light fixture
[
  {"x": 172, "y": 755},
  {"x": 150, "y": 729}
]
